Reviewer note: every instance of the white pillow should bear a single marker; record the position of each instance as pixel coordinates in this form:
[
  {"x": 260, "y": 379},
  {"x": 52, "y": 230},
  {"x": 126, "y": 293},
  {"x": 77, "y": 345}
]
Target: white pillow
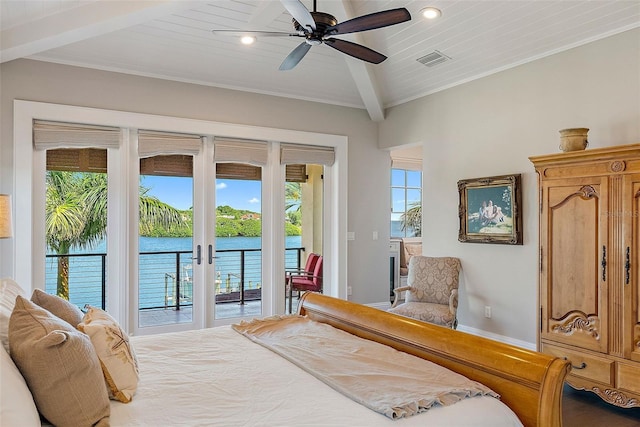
[
  {"x": 9, "y": 290},
  {"x": 17, "y": 407}
]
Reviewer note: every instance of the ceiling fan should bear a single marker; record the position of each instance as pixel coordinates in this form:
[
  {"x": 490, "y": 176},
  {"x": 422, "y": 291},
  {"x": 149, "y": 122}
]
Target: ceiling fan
[{"x": 319, "y": 27}]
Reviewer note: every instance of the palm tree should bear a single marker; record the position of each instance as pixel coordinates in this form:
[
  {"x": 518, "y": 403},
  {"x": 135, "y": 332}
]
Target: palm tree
[
  {"x": 292, "y": 196},
  {"x": 412, "y": 218},
  {"x": 293, "y": 202},
  {"x": 76, "y": 216}
]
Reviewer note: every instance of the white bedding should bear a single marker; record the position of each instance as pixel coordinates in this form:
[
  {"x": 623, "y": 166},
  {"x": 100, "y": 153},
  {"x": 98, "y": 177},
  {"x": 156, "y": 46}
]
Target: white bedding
[{"x": 218, "y": 377}]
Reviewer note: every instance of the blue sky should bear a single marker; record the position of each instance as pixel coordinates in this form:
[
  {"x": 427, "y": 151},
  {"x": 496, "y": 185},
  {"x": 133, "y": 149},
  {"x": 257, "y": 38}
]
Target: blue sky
[{"x": 178, "y": 192}]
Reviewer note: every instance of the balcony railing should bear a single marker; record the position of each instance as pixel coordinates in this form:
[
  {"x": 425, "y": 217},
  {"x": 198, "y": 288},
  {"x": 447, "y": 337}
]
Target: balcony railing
[{"x": 165, "y": 278}]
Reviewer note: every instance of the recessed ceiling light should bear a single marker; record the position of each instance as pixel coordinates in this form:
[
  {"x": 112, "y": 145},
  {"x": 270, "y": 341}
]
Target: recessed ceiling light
[
  {"x": 431, "y": 12},
  {"x": 248, "y": 40}
]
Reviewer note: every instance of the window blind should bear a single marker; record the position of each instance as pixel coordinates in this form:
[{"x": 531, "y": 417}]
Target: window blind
[
  {"x": 240, "y": 151},
  {"x": 306, "y": 154},
  {"x": 154, "y": 143},
  {"x": 77, "y": 160},
  {"x": 406, "y": 164},
  {"x": 51, "y": 135}
]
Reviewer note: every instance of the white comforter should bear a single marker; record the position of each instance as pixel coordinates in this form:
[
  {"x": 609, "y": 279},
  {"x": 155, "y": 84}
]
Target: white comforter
[{"x": 217, "y": 377}]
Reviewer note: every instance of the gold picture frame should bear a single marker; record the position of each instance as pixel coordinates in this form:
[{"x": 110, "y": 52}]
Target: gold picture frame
[{"x": 490, "y": 210}]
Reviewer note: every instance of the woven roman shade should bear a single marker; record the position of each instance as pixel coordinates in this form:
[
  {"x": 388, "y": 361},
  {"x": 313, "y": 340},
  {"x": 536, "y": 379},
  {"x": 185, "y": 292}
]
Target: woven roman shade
[
  {"x": 240, "y": 151},
  {"x": 77, "y": 160},
  {"x": 306, "y": 154},
  {"x": 154, "y": 143},
  {"x": 51, "y": 135}
]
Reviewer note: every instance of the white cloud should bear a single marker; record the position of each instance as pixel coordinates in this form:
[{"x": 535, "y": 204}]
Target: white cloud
[
  {"x": 254, "y": 200},
  {"x": 221, "y": 186}
]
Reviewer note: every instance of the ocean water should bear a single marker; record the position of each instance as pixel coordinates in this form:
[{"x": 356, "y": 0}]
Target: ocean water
[{"x": 165, "y": 266}]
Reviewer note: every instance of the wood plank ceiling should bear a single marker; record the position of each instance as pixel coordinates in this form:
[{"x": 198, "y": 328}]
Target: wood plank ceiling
[{"x": 172, "y": 39}]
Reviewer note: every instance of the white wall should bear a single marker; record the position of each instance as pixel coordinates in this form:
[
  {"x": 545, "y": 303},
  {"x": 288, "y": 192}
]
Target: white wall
[
  {"x": 490, "y": 127},
  {"x": 368, "y": 166},
  {"x": 484, "y": 128}
]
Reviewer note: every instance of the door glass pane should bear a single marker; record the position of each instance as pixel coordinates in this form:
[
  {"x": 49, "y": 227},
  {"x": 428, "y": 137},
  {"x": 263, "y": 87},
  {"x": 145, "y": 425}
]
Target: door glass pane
[
  {"x": 165, "y": 279},
  {"x": 238, "y": 260},
  {"x": 76, "y": 222},
  {"x": 304, "y": 203}
]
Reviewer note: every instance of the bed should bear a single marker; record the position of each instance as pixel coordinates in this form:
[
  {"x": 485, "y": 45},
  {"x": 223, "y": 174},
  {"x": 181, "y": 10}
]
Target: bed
[{"x": 219, "y": 377}]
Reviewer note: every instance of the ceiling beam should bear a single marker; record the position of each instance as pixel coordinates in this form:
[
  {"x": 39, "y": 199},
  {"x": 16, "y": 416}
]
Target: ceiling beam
[
  {"x": 72, "y": 25},
  {"x": 265, "y": 14},
  {"x": 361, "y": 71}
]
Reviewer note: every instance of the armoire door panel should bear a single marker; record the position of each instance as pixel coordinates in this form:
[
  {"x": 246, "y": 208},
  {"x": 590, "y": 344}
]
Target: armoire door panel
[
  {"x": 631, "y": 280},
  {"x": 576, "y": 304}
]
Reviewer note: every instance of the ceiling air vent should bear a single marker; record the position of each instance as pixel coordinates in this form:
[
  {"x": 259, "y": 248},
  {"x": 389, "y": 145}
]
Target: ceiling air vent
[{"x": 434, "y": 58}]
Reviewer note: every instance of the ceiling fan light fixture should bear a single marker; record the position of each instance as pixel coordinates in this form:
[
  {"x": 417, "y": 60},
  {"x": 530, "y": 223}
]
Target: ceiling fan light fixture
[
  {"x": 247, "y": 40},
  {"x": 431, "y": 12},
  {"x": 320, "y": 28}
]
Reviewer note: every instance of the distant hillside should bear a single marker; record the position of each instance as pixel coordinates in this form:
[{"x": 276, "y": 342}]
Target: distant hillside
[{"x": 230, "y": 222}]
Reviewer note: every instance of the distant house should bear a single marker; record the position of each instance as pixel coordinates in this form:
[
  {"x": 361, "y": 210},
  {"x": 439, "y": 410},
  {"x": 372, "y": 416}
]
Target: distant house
[{"x": 250, "y": 215}]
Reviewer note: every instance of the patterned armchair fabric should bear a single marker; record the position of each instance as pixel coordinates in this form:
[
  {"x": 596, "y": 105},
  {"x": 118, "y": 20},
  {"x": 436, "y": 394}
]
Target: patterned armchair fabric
[{"x": 432, "y": 291}]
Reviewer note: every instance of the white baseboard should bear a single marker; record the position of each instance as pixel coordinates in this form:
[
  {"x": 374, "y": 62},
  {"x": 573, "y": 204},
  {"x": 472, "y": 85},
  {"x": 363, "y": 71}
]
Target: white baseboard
[
  {"x": 497, "y": 337},
  {"x": 380, "y": 305},
  {"x": 473, "y": 331}
]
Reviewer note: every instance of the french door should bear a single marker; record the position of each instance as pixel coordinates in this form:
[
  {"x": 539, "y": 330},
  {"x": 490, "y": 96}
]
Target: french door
[{"x": 122, "y": 265}]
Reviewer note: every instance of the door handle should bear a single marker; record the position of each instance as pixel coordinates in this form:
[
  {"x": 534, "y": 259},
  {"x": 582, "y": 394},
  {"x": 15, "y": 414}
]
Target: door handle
[
  {"x": 210, "y": 254},
  {"x": 604, "y": 263},
  {"x": 627, "y": 267},
  {"x": 198, "y": 256}
]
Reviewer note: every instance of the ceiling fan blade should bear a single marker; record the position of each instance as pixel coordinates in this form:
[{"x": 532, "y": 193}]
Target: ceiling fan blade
[
  {"x": 295, "y": 56},
  {"x": 370, "y": 22},
  {"x": 356, "y": 50},
  {"x": 300, "y": 13},
  {"x": 237, "y": 33}
]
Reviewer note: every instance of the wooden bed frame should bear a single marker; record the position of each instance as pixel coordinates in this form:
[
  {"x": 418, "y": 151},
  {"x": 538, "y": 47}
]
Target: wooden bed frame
[{"x": 530, "y": 383}]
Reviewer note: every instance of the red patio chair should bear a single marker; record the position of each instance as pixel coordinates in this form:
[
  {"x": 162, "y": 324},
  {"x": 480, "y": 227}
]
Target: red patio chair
[{"x": 310, "y": 279}]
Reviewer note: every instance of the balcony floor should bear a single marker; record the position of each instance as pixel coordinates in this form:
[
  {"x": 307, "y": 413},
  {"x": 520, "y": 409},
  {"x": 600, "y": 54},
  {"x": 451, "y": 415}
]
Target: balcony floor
[{"x": 227, "y": 310}]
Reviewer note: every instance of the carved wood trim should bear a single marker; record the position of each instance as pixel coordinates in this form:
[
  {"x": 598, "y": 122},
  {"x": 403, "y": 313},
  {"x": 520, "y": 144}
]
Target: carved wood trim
[
  {"x": 577, "y": 321},
  {"x": 616, "y": 397},
  {"x": 585, "y": 193},
  {"x": 618, "y": 166}
]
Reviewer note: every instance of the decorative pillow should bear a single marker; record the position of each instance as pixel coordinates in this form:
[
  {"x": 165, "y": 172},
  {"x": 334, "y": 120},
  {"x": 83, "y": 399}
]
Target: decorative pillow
[
  {"x": 60, "y": 367},
  {"x": 118, "y": 360},
  {"x": 409, "y": 246},
  {"x": 58, "y": 307},
  {"x": 9, "y": 290},
  {"x": 17, "y": 408}
]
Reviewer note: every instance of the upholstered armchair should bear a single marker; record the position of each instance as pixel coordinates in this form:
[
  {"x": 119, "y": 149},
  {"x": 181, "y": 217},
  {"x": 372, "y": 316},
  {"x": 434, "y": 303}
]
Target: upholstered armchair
[{"x": 431, "y": 294}]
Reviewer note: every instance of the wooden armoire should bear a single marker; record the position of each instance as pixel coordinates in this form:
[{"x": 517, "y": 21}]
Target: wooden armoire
[{"x": 589, "y": 207}]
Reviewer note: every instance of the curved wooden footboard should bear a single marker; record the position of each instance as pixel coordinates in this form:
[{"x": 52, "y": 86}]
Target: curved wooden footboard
[{"x": 530, "y": 383}]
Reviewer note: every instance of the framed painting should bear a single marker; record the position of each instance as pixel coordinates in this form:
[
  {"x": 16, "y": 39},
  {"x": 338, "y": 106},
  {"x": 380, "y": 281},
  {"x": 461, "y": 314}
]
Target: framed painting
[{"x": 490, "y": 210}]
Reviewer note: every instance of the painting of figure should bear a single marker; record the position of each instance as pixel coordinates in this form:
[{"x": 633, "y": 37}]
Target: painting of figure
[{"x": 489, "y": 210}]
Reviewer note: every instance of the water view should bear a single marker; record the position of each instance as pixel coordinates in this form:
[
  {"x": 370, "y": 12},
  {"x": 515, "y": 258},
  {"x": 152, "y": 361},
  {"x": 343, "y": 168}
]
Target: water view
[{"x": 165, "y": 269}]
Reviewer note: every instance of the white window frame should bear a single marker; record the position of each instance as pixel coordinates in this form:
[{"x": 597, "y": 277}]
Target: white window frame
[
  {"x": 29, "y": 193},
  {"x": 406, "y": 167}
]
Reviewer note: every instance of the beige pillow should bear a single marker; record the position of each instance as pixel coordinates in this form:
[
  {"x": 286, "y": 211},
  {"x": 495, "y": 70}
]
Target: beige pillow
[
  {"x": 118, "y": 360},
  {"x": 60, "y": 367},
  {"x": 412, "y": 249},
  {"x": 58, "y": 307},
  {"x": 9, "y": 290}
]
